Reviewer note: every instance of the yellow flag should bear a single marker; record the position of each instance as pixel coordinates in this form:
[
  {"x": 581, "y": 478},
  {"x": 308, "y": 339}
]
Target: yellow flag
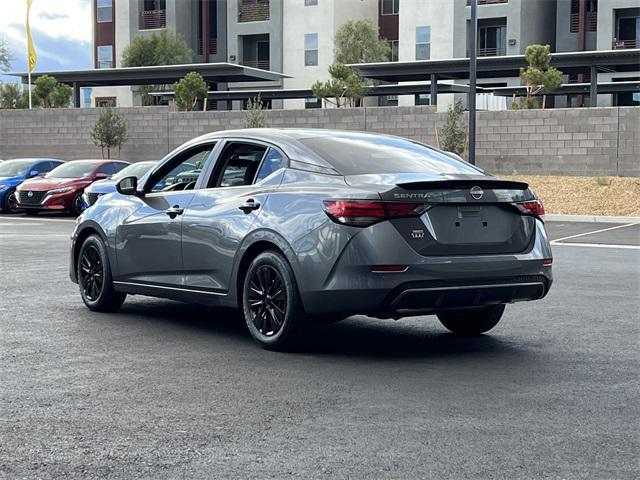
[{"x": 33, "y": 57}]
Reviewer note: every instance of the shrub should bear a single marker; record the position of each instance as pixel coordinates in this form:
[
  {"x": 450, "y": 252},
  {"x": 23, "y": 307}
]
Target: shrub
[
  {"x": 189, "y": 90},
  {"x": 109, "y": 131}
]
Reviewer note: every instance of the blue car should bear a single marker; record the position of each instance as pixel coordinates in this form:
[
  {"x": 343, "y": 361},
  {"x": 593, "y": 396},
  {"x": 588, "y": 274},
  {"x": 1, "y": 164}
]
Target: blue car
[
  {"x": 14, "y": 172},
  {"x": 138, "y": 170}
]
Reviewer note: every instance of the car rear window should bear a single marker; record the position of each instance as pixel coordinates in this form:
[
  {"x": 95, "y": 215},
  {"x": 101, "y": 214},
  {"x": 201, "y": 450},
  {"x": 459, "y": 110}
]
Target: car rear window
[{"x": 371, "y": 154}]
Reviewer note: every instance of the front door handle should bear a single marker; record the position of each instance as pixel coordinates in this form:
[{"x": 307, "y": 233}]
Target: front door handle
[
  {"x": 174, "y": 211},
  {"x": 249, "y": 206}
]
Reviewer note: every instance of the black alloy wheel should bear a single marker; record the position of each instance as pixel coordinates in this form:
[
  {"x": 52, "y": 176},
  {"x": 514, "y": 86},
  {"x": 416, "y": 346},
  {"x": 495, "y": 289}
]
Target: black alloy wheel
[
  {"x": 77, "y": 207},
  {"x": 267, "y": 300},
  {"x": 271, "y": 302},
  {"x": 11, "y": 203},
  {"x": 94, "y": 277},
  {"x": 91, "y": 277}
]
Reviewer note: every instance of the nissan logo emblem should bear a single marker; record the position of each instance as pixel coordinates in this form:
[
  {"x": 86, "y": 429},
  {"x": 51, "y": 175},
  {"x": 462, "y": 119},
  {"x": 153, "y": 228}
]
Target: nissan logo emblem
[
  {"x": 29, "y": 194},
  {"x": 476, "y": 192}
]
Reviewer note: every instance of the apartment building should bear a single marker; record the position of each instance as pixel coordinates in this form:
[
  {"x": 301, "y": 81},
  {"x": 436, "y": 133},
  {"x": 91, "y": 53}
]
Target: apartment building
[{"x": 296, "y": 36}]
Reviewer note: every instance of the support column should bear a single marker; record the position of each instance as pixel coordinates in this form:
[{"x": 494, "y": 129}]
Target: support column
[
  {"x": 76, "y": 95},
  {"x": 593, "y": 91},
  {"x": 434, "y": 89},
  {"x": 472, "y": 81}
]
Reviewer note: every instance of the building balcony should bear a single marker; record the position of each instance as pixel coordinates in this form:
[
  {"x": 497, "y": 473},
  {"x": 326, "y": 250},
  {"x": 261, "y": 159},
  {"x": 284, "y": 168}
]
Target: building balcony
[
  {"x": 622, "y": 44},
  {"x": 261, "y": 64},
  {"x": 253, "y": 11},
  {"x": 590, "y": 23},
  {"x": 150, "y": 19},
  {"x": 213, "y": 46}
]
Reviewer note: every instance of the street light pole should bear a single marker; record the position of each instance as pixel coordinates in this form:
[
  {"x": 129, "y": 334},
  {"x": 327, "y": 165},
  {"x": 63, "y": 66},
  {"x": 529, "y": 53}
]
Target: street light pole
[{"x": 473, "y": 60}]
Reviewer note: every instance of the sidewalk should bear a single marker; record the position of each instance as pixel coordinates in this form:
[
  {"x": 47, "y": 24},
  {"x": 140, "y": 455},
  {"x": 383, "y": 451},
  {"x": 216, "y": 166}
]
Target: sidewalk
[{"x": 550, "y": 217}]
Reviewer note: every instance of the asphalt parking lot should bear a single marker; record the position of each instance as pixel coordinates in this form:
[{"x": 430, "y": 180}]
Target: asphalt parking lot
[{"x": 166, "y": 390}]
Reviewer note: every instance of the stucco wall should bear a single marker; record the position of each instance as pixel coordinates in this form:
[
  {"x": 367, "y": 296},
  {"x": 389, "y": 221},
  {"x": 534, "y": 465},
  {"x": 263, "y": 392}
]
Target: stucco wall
[{"x": 587, "y": 141}]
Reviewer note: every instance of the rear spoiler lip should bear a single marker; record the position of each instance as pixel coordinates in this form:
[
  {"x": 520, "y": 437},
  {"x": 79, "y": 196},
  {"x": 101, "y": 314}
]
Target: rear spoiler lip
[{"x": 494, "y": 184}]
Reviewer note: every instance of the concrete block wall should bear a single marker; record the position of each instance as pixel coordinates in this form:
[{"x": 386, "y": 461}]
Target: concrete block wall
[{"x": 587, "y": 141}]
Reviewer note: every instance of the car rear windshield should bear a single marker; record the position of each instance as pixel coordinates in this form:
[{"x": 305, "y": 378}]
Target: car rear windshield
[
  {"x": 72, "y": 170},
  {"x": 14, "y": 168},
  {"x": 371, "y": 154}
]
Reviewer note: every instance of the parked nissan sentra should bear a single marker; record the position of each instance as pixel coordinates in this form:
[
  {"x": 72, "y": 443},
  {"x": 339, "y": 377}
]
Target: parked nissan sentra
[
  {"x": 294, "y": 226},
  {"x": 14, "y": 172},
  {"x": 61, "y": 189}
]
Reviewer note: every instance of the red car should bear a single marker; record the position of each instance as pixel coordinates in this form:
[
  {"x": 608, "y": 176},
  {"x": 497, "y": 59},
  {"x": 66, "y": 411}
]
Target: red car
[{"x": 61, "y": 189}]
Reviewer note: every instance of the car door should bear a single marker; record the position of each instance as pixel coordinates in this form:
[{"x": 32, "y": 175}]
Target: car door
[
  {"x": 221, "y": 215},
  {"x": 148, "y": 238}
]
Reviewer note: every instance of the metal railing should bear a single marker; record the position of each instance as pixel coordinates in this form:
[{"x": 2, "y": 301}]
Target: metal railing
[
  {"x": 491, "y": 52},
  {"x": 591, "y": 22},
  {"x": 253, "y": 11},
  {"x": 622, "y": 44},
  {"x": 487, "y": 2},
  {"x": 151, "y": 19},
  {"x": 261, "y": 64},
  {"x": 213, "y": 46}
]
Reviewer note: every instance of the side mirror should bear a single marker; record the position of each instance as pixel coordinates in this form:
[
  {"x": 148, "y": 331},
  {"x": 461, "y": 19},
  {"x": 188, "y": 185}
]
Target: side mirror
[
  {"x": 128, "y": 186},
  {"x": 34, "y": 173}
]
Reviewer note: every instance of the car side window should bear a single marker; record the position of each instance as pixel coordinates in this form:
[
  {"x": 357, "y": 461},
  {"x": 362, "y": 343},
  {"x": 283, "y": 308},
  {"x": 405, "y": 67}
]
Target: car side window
[
  {"x": 182, "y": 172},
  {"x": 271, "y": 162},
  {"x": 237, "y": 165},
  {"x": 106, "y": 169},
  {"x": 118, "y": 166}
]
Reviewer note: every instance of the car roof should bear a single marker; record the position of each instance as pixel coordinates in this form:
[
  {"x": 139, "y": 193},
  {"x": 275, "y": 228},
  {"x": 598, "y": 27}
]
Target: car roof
[{"x": 35, "y": 159}]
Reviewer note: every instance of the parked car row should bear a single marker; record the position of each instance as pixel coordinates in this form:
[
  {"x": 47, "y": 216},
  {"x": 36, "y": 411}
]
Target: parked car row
[{"x": 34, "y": 185}]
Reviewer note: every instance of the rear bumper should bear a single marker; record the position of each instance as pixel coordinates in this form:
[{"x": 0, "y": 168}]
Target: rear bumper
[{"x": 429, "y": 284}]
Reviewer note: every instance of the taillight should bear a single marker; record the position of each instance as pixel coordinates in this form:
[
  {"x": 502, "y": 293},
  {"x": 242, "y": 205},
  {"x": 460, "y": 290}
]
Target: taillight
[
  {"x": 362, "y": 213},
  {"x": 532, "y": 207}
]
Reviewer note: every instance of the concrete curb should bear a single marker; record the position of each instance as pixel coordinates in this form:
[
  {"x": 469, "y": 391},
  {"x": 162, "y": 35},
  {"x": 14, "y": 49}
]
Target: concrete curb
[{"x": 589, "y": 219}]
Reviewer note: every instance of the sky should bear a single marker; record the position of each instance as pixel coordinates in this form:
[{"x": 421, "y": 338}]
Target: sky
[{"x": 61, "y": 32}]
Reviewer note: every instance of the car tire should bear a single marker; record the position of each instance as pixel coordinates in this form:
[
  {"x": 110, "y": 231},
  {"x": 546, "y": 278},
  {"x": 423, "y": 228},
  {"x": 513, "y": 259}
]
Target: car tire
[
  {"x": 472, "y": 321},
  {"x": 10, "y": 204},
  {"x": 271, "y": 303},
  {"x": 94, "y": 277},
  {"x": 76, "y": 205}
]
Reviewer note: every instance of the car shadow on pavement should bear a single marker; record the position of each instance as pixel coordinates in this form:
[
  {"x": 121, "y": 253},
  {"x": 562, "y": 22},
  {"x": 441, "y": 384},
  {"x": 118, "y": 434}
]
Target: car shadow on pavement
[{"x": 356, "y": 336}]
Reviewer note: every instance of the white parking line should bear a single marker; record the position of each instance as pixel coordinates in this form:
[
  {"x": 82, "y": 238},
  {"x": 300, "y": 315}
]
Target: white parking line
[
  {"x": 9, "y": 224},
  {"x": 556, "y": 241},
  {"x": 595, "y": 245},
  {"x": 40, "y": 219}
]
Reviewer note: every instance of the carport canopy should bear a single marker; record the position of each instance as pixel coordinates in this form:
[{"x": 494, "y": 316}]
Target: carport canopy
[
  {"x": 592, "y": 62},
  {"x": 213, "y": 73}
]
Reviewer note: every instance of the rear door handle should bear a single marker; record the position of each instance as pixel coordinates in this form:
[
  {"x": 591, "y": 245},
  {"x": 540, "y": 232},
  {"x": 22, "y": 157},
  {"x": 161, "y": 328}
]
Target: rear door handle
[
  {"x": 174, "y": 211},
  {"x": 249, "y": 206}
]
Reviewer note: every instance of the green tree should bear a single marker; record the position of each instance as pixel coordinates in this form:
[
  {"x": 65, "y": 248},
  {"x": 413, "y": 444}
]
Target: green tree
[
  {"x": 12, "y": 96},
  {"x": 345, "y": 88},
  {"x": 189, "y": 90},
  {"x": 160, "y": 48},
  {"x": 255, "y": 115},
  {"x": 539, "y": 76},
  {"x": 50, "y": 93},
  {"x": 109, "y": 131},
  {"x": 454, "y": 133},
  {"x": 5, "y": 55},
  {"x": 357, "y": 41}
]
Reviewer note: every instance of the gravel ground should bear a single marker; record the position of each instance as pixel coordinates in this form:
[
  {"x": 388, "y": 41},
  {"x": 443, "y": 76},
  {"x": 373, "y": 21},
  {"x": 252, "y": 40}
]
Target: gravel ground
[
  {"x": 167, "y": 390},
  {"x": 583, "y": 195}
]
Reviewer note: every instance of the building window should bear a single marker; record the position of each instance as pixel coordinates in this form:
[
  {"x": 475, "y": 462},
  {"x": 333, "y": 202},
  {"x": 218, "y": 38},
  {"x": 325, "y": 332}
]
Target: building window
[
  {"x": 105, "y": 56},
  {"x": 389, "y": 7},
  {"x": 312, "y": 102},
  {"x": 310, "y": 3},
  {"x": 394, "y": 50},
  {"x": 423, "y": 99},
  {"x": 153, "y": 14},
  {"x": 492, "y": 41},
  {"x": 105, "y": 102},
  {"x": 104, "y": 11},
  {"x": 627, "y": 33},
  {"x": 310, "y": 49},
  {"x": 423, "y": 43}
]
